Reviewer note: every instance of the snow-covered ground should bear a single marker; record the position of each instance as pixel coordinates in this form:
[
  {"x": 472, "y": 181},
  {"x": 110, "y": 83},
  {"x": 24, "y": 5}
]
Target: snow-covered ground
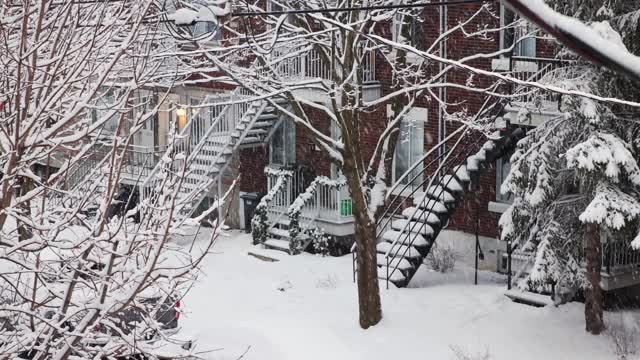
[{"x": 305, "y": 307}]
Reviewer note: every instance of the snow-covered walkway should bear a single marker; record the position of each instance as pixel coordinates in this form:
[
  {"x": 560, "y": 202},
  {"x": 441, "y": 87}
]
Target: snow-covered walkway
[{"x": 305, "y": 307}]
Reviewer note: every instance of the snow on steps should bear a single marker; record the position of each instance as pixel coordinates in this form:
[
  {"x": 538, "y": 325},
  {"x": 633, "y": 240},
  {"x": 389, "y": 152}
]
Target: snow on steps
[
  {"x": 425, "y": 202},
  {"x": 452, "y": 184},
  {"x": 401, "y": 263},
  {"x": 282, "y": 245},
  {"x": 413, "y": 226},
  {"x": 421, "y": 215},
  {"x": 398, "y": 250},
  {"x": 413, "y": 238},
  {"x": 440, "y": 193},
  {"x": 396, "y": 275},
  {"x": 528, "y": 298},
  {"x": 462, "y": 174}
]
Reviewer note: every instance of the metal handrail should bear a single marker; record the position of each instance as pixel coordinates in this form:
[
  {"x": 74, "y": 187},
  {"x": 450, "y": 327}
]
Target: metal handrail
[{"x": 183, "y": 139}]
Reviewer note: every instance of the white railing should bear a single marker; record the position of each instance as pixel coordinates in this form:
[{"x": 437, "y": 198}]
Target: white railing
[
  {"x": 311, "y": 65},
  {"x": 205, "y": 136},
  {"x": 329, "y": 201}
]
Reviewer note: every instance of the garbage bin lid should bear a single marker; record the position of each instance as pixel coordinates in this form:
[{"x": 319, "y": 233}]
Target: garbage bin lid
[{"x": 250, "y": 196}]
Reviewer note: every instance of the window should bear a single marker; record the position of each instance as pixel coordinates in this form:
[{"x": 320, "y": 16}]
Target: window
[
  {"x": 503, "y": 167},
  {"x": 282, "y": 148},
  {"x": 518, "y": 30},
  {"x": 207, "y": 29},
  {"x": 410, "y": 147},
  {"x": 105, "y": 104},
  {"x": 416, "y": 30}
]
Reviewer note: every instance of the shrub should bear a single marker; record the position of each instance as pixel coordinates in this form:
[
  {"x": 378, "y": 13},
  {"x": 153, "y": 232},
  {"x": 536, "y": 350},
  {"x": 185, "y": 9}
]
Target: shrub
[
  {"x": 442, "y": 258},
  {"x": 623, "y": 336}
]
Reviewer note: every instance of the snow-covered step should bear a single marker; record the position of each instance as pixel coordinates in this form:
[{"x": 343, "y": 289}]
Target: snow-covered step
[
  {"x": 251, "y": 140},
  {"x": 263, "y": 125},
  {"x": 529, "y": 298},
  {"x": 398, "y": 250},
  {"x": 451, "y": 183},
  {"x": 267, "y": 116},
  {"x": 279, "y": 232},
  {"x": 282, "y": 245},
  {"x": 257, "y": 132},
  {"x": 440, "y": 193},
  {"x": 421, "y": 215},
  {"x": 413, "y": 226},
  {"x": 391, "y": 273},
  {"x": 424, "y": 202},
  {"x": 399, "y": 262},
  {"x": 462, "y": 174},
  {"x": 405, "y": 238}
]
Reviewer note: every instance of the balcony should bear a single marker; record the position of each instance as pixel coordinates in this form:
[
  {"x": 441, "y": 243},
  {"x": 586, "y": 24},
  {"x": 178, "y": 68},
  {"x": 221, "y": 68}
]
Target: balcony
[
  {"x": 540, "y": 106},
  {"x": 310, "y": 65},
  {"x": 326, "y": 207}
]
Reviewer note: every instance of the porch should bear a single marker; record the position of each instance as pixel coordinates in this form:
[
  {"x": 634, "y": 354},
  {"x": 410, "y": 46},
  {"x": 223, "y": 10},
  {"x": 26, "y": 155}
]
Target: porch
[{"x": 321, "y": 203}]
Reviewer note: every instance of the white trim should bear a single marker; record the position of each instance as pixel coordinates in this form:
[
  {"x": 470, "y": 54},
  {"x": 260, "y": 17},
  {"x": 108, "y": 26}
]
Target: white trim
[{"x": 498, "y": 207}]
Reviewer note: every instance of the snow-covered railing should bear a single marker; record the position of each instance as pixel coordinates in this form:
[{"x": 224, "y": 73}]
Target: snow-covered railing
[
  {"x": 533, "y": 69},
  {"x": 618, "y": 256},
  {"x": 311, "y": 65},
  {"x": 309, "y": 206},
  {"x": 329, "y": 203},
  {"x": 215, "y": 123},
  {"x": 260, "y": 223}
]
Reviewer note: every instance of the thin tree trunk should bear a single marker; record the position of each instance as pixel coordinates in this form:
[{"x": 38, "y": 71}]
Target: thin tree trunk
[
  {"x": 593, "y": 303},
  {"x": 368, "y": 287}
]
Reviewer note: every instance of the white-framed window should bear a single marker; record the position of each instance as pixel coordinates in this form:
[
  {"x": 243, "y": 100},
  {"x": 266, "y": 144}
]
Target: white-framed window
[
  {"x": 503, "y": 167},
  {"x": 208, "y": 29},
  {"x": 282, "y": 147},
  {"x": 104, "y": 104},
  {"x": 410, "y": 147},
  {"x": 526, "y": 47}
]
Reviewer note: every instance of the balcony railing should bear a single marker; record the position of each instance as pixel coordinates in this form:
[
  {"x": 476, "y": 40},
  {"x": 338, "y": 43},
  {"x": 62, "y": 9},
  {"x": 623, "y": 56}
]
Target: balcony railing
[
  {"x": 531, "y": 69},
  {"x": 311, "y": 65},
  {"x": 328, "y": 203}
]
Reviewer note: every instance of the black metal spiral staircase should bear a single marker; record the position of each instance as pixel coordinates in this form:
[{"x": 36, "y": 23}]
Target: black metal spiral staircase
[{"x": 406, "y": 235}]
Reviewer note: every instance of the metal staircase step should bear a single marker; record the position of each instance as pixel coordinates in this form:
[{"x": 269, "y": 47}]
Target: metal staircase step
[
  {"x": 419, "y": 214},
  {"x": 462, "y": 174},
  {"x": 393, "y": 274},
  {"x": 398, "y": 250},
  {"x": 405, "y": 238},
  {"x": 263, "y": 124},
  {"x": 268, "y": 116},
  {"x": 251, "y": 140},
  {"x": 424, "y": 202},
  {"x": 440, "y": 193},
  {"x": 400, "y": 263},
  {"x": 413, "y": 226},
  {"x": 451, "y": 183}
]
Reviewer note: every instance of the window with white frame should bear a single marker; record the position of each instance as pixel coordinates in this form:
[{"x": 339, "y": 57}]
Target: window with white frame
[
  {"x": 416, "y": 33},
  {"x": 208, "y": 29},
  {"x": 503, "y": 167},
  {"x": 282, "y": 147},
  {"x": 410, "y": 147},
  {"x": 514, "y": 30}
]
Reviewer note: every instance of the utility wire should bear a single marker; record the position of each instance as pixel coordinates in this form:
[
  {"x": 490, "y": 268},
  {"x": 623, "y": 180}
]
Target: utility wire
[{"x": 360, "y": 8}]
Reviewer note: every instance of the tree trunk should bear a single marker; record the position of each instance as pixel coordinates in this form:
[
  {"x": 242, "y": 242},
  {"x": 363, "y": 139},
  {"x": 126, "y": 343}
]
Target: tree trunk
[
  {"x": 368, "y": 287},
  {"x": 594, "y": 298}
]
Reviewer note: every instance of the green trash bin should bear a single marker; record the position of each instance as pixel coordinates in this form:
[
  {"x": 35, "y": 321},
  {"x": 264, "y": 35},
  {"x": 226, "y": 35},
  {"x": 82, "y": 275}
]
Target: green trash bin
[{"x": 345, "y": 207}]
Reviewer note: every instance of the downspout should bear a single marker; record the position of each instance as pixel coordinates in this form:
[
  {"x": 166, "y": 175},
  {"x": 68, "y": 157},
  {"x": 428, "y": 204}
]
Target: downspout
[{"x": 442, "y": 92}]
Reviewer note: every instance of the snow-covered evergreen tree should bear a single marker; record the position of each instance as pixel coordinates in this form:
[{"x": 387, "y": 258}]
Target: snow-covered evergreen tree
[{"x": 578, "y": 171}]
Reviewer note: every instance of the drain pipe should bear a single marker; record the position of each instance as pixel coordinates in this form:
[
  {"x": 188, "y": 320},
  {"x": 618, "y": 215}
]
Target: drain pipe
[{"x": 442, "y": 92}]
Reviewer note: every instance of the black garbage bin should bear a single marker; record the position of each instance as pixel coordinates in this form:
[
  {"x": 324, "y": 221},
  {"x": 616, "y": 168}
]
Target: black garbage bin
[{"x": 251, "y": 201}]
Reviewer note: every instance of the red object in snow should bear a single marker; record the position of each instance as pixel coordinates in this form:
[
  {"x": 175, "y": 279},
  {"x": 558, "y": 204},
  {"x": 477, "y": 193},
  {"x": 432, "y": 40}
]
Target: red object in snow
[{"x": 178, "y": 308}]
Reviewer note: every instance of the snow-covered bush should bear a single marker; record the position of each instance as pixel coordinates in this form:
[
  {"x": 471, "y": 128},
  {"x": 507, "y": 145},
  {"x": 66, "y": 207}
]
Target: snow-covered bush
[
  {"x": 462, "y": 354},
  {"x": 321, "y": 242},
  {"x": 442, "y": 258}
]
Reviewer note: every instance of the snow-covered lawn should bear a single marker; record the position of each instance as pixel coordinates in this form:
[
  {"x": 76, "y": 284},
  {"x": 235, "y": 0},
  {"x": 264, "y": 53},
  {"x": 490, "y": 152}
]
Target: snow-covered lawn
[{"x": 305, "y": 307}]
